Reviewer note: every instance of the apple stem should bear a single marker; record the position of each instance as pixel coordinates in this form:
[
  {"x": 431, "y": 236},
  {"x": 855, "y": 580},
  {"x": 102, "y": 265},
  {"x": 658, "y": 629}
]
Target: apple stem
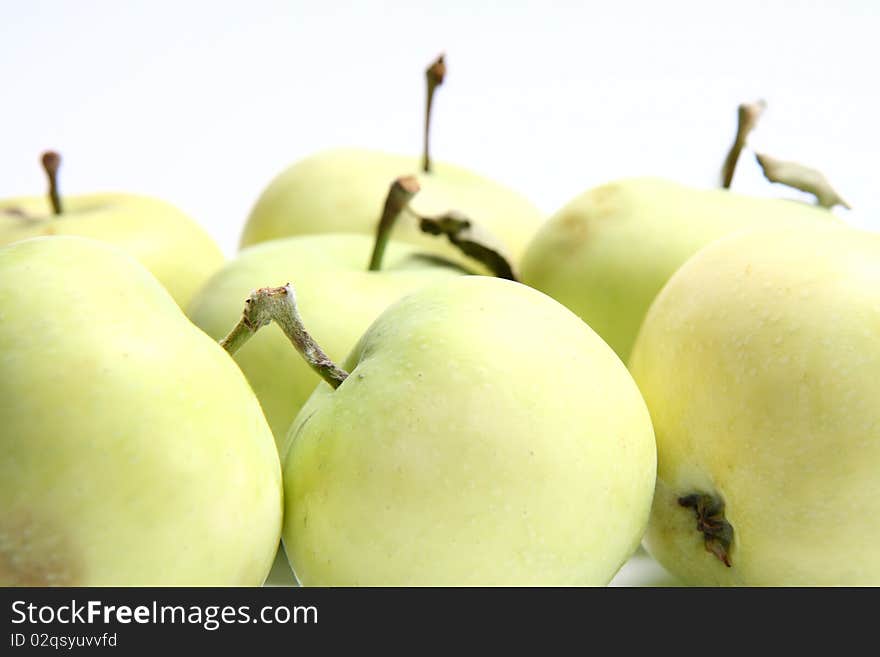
[
  {"x": 747, "y": 118},
  {"x": 278, "y": 304},
  {"x": 717, "y": 532},
  {"x": 51, "y": 163},
  {"x": 434, "y": 76},
  {"x": 800, "y": 177},
  {"x": 471, "y": 240},
  {"x": 400, "y": 194}
]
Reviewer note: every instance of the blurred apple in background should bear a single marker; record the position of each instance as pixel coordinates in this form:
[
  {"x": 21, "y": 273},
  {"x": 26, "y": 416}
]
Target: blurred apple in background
[
  {"x": 341, "y": 190},
  {"x": 608, "y": 253},
  {"x": 177, "y": 250}
]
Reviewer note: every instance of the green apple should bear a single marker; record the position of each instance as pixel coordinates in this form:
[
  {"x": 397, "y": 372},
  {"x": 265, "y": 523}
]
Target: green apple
[
  {"x": 339, "y": 298},
  {"x": 132, "y": 450},
  {"x": 760, "y": 364},
  {"x": 165, "y": 240},
  {"x": 607, "y": 253},
  {"x": 482, "y": 434},
  {"x": 341, "y": 190}
]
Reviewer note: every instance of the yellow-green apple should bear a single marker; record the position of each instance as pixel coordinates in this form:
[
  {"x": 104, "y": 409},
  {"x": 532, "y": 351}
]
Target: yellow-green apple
[
  {"x": 479, "y": 433},
  {"x": 132, "y": 450},
  {"x": 341, "y": 190},
  {"x": 165, "y": 240},
  {"x": 760, "y": 365},
  {"x": 608, "y": 252}
]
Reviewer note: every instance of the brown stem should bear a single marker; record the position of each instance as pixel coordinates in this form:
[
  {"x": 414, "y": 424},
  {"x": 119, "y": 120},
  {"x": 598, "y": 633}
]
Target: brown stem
[
  {"x": 51, "y": 163},
  {"x": 278, "y": 304},
  {"x": 800, "y": 177},
  {"x": 470, "y": 240},
  {"x": 434, "y": 76},
  {"x": 399, "y": 195},
  {"x": 747, "y": 118}
]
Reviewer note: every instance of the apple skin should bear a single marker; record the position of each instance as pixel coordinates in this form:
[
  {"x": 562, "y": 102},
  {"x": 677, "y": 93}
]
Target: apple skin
[
  {"x": 484, "y": 436},
  {"x": 337, "y": 297},
  {"x": 608, "y": 252},
  {"x": 162, "y": 238},
  {"x": 132, "y": 451},
  {"x": 343, "y": 190},
  {"x": 760, "y": 364}
]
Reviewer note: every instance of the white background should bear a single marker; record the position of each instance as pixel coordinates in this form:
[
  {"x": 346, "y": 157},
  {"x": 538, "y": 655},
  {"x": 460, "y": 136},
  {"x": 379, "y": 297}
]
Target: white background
[{"x": 202, "y": 103}]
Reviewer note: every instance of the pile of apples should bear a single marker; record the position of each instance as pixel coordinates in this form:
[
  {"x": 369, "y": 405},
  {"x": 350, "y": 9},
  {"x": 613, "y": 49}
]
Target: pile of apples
[{"x": 408, "y": 376}]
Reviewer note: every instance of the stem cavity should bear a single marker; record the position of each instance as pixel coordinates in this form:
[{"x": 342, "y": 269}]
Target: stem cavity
[
  {"x": 51, "y": 163},
  {"x": 434, "y": 77},
  {"x": 399, "y": 195},
  {"x": 800, "y": 177},
  {"x": 747, "y": 118},
  {"x": 278, "y": 304},
  {"x": 470, "y": 240},
  {"x": 717, "y": 532}
]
